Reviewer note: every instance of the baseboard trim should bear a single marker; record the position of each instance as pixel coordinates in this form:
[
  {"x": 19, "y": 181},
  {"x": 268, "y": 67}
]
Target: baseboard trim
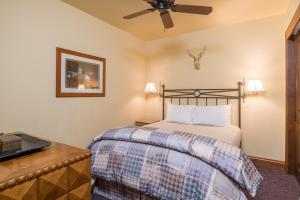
[{"x": 275, "y": 163}]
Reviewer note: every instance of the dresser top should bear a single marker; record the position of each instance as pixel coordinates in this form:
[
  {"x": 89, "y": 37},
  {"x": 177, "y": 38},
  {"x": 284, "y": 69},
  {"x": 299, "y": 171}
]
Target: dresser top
[{"x": 55, "y": 156}]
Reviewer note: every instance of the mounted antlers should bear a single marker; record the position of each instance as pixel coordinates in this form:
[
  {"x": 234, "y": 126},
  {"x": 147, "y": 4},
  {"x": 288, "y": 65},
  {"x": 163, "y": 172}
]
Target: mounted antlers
[{"x": 198, "y": 58}]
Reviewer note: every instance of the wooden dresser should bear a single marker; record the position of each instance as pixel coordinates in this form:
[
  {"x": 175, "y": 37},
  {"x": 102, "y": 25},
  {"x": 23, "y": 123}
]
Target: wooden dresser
[{"x": 61, "y": 172}]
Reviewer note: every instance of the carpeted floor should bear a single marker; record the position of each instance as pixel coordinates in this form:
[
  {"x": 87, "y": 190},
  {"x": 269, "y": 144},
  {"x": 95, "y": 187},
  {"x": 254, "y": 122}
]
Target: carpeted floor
[{"x": 277, "y": 185}]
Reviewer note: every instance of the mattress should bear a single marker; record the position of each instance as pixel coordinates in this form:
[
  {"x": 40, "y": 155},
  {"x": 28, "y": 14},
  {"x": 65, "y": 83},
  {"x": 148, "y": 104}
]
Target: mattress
[{"x": 230, "y": 134}]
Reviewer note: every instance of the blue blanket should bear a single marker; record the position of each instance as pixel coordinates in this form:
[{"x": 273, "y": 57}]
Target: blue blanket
[{"x": 172, "y": 164}]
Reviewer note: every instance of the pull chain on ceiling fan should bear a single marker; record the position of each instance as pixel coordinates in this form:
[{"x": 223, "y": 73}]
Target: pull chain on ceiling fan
[{"x": 163, "y": 6}]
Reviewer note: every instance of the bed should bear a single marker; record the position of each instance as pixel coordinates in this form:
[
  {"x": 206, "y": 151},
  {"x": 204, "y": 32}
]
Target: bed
[
  {"x": 230, "y": 134},
  {"x": 175, "y": 160}
]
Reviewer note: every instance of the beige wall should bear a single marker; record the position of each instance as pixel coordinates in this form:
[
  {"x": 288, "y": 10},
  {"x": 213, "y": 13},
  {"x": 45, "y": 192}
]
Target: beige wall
[
  {"x": 252, "y": 49},
  {"x": 30, "y": 30},
  {"x": 29, "y": 33}
]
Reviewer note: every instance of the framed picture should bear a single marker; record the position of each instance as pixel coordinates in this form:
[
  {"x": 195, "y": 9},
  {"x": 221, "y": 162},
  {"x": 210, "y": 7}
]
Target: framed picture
[{"x": 79, "y": 74}]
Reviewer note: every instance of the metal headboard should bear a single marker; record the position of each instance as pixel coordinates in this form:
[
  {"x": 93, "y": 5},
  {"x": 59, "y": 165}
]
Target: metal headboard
[{"x": 207, "y": 94}]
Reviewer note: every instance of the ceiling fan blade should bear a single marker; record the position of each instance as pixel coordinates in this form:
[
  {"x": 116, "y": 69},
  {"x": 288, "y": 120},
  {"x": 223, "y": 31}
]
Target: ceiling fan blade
[
  {"x": 137, "y": 14},
  {"x": 202, "y": 10},
  {"x": 166, "y": 19}
]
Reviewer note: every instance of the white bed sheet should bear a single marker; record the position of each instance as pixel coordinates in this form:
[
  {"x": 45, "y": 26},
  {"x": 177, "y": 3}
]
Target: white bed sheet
[{"x": 230, "y": 134}]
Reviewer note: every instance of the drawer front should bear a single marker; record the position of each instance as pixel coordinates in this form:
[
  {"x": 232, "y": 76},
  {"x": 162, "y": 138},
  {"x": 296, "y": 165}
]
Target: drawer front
[
  {"x": 64, "y": 197},
  {"x": 83, "y": 192},
  {"x": 79, "y": 173},
  {"x": 53, "y": 185},
  {"x": 24, "y": 191}
]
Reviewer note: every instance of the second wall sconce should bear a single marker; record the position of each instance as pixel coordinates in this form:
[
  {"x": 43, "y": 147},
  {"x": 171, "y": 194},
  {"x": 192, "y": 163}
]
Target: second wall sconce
[{"x": 253, "y": 87}]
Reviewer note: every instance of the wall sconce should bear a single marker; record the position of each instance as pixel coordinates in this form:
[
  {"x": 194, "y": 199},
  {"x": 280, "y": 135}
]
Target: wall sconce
[
  {"x": 150, "y": 89},
  {"x": 254, "y": 87}
]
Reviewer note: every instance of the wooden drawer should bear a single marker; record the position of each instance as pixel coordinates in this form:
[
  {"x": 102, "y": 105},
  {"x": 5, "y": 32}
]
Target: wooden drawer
[
  {"x": 79, "y": 173},
  {"x": 64, "y": 197},
  {"x": 83, "y": 192},
  {"x": 53, "y": 185},
  {"x": 25, "y": 191},
  {"x": 47, "y": 175}
]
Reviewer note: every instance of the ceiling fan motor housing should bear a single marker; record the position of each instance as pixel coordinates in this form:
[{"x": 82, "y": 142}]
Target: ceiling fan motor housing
[{"x": 162, "y": 5}]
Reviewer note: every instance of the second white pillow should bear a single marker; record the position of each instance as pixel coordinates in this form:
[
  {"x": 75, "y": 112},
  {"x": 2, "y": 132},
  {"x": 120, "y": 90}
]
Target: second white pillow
[{"x": 212, "y": 115}]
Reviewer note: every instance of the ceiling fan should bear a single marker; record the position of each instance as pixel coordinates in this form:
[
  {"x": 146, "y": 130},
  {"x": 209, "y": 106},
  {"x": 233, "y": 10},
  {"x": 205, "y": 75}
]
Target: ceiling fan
[{"x": 163, "y": 6}]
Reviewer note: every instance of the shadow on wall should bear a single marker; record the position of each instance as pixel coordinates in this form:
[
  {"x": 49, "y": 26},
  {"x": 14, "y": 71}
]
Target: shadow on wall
[
  {"x": 168, "y": 50},
  {"x": 173, "y": 49},
  {"x": 135, "y": 53}
]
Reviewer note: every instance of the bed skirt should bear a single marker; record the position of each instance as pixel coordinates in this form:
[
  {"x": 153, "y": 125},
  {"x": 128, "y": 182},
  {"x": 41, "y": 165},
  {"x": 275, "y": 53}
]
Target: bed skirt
[
  {"x": 108, "y": 190},
  {"x": 105, "y": 190}
]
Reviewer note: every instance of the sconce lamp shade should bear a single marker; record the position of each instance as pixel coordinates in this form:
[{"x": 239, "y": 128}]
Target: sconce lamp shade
[
  {"x": 254, "y": 86},
  {"x": 150, "y": 88}
]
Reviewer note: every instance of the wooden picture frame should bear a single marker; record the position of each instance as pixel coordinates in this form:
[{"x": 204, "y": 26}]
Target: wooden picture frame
[{"x": 79, "y": 74}]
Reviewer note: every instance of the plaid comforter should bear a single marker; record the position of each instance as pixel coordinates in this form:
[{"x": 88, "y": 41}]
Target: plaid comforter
[{"x": 173, "y": 165}]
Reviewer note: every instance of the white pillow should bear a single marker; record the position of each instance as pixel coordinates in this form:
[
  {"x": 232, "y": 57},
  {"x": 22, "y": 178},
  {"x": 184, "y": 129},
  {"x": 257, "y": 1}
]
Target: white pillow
[
  {"x": 212, "y": 115},
  {"x": 180, "y": 113}
]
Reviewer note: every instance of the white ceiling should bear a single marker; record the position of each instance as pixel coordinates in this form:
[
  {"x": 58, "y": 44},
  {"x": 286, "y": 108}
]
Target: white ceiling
[{"x": 149, "y": 27}]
